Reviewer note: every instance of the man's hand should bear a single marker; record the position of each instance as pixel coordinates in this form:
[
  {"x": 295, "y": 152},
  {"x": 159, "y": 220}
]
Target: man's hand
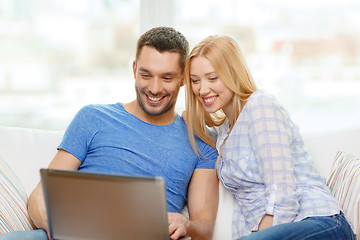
[{"x": 178, "y": 225}]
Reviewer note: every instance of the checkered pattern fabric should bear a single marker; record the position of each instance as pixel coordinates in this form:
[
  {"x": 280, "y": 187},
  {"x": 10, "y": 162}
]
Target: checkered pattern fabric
[{"x": 265, "y": 164}]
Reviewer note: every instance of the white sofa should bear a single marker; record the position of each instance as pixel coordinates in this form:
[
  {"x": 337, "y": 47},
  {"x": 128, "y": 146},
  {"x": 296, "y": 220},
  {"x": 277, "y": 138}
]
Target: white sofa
[{"x": 28, "y": 150}]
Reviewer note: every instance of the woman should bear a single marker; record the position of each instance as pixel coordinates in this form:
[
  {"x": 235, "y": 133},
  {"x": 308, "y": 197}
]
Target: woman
[{"x": 262, "y": 160}]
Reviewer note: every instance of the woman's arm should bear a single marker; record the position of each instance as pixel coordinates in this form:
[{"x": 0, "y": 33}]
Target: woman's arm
[{"x": 271, "y": 134}]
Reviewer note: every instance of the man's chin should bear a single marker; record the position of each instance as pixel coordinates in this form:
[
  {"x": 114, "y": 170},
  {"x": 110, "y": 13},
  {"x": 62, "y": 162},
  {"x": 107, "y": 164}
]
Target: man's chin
[
  {"x": 154, "y": 113},
  {"x": 155, "y": 109}
]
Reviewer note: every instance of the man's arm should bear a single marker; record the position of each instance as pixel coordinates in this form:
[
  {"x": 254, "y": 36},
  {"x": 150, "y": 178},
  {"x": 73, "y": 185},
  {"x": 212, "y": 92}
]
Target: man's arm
[
  {"x": 36, "y": 204},
  {"x": 203, "y": 198}
]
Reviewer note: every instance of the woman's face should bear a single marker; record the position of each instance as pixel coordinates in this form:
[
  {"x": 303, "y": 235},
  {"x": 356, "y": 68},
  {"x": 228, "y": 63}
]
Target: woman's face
[{"x": 209, "y": 88}]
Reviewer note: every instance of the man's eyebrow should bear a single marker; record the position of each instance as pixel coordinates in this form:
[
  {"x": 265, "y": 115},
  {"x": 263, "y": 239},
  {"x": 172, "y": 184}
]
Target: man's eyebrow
[
  {"x": 141, "y": 69},
  {"x": 170, "y": 73},
  {"x": 144, "y": 70}
]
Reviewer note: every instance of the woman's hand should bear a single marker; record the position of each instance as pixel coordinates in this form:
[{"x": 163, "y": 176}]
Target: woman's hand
[{"x": 266, "y": 222}]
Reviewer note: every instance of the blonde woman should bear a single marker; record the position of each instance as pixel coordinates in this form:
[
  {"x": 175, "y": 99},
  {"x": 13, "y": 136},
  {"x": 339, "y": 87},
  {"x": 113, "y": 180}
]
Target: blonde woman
[{"x": 263, "y": 160}]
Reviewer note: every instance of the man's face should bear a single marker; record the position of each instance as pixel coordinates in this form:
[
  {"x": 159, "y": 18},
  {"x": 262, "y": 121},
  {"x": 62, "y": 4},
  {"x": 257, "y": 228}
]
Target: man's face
[{"x": 157, "y": 80}]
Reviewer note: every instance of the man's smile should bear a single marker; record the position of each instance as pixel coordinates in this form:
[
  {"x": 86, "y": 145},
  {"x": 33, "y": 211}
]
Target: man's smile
[{"x": 155, "y": 100}]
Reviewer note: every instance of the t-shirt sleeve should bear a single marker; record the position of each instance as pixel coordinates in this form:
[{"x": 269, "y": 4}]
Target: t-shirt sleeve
[
  {"x": 80, "y": 132},
  {"x": 208, "y": 156}
]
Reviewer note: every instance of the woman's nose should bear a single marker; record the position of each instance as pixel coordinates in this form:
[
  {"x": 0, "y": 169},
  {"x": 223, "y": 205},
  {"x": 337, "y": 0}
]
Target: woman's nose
[{"x": 204, "y": 88}]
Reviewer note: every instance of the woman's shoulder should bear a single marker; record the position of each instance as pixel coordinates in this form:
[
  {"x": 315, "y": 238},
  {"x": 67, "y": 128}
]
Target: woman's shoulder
[
  {"x": 261, "y": 98},
  {"x": 264, "y": 105}
]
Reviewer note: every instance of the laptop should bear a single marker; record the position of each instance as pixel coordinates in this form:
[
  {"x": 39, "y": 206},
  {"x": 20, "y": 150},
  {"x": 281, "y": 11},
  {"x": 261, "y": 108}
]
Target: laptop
[{"x": 101, "y": 206}]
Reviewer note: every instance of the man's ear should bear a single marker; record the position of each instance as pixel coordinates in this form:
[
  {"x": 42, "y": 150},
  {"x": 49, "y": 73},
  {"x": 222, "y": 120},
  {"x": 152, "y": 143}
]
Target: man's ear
[{"x": 134, "y": 68}]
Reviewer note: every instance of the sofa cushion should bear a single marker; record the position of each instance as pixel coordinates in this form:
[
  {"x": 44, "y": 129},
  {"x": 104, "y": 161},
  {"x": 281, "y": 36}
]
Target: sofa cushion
[
  {"x": 27, "y": 150},
  {"x": 13, "y": 200},
  {"x": 344, "y": 182},
  {"x": 324, "y": 146}
]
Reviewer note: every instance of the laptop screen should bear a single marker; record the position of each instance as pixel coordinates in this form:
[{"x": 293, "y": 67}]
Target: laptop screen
[{"x": 102, "y": 206}]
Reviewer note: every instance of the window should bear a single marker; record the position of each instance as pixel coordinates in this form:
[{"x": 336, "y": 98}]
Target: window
[
  {"x": 57, "y": 56},
  {"x": 306, "y": 52}
]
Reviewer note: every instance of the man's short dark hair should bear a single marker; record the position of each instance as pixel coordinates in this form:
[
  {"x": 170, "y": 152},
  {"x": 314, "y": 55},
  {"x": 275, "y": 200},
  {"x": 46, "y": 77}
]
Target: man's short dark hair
[{"x": 164, "y": 39}]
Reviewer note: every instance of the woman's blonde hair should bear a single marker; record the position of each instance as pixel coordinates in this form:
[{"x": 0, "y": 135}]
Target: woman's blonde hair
[{"x": 226, "y": 58}]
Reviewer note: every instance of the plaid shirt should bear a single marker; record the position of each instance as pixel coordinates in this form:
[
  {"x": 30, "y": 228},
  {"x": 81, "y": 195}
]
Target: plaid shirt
[{"x": 266, "y": 166}]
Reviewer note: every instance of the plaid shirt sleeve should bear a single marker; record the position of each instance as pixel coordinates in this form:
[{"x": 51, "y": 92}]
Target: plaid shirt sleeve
[{"x": 270, "y": 133}]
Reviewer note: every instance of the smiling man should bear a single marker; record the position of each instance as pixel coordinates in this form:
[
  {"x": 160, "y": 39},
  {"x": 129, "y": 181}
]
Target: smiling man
[
  {"x": 145, "y": 137},
  {"x": 158, "y": 77}
]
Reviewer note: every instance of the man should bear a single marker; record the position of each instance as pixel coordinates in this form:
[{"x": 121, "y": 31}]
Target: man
[{"x": 145, "y": 137}]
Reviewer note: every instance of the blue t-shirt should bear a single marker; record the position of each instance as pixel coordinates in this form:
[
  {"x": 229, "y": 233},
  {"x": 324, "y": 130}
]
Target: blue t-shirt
[{"x": 108, "y": 139}]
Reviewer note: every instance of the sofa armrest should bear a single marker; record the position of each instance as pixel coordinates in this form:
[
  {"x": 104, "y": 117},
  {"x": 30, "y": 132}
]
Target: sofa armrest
[{"x": 28, "y": 150}]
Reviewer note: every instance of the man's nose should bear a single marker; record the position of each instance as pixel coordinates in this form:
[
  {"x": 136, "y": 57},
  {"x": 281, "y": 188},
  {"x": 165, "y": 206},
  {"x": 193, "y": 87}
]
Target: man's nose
[{"x": 155, "y": 85}]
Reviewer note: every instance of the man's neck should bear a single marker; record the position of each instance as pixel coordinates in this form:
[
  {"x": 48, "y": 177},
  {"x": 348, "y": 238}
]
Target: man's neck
[{"x": 163, "y": 119}]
